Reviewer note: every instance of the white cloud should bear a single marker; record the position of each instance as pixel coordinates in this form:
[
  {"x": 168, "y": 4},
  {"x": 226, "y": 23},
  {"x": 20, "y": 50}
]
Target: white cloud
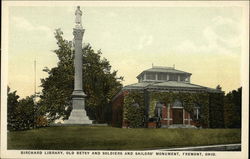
[
  {"x": 222, "y": 36},
  {"x": 26, "y": 25},
  {"x": 224, "y": 30}
]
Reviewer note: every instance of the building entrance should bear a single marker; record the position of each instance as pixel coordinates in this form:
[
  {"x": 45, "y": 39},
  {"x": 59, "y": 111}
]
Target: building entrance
[{"x": 177, "y": 116}]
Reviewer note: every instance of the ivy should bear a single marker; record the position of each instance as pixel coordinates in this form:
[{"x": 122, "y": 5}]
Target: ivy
[
  {"x": 188, "y": 100},
  {"x": 134, "y": 105},
  {"x": 134, "y": 109},
  {"x": 151, "y": 108}
]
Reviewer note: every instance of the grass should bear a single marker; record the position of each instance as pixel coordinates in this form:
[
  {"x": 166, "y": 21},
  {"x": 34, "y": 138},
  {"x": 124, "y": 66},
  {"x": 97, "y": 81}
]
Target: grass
[{"x": 110, "y": 138}]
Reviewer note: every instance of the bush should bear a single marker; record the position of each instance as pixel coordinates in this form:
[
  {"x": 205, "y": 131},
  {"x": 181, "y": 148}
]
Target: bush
[{"x": 41, "y": 121}]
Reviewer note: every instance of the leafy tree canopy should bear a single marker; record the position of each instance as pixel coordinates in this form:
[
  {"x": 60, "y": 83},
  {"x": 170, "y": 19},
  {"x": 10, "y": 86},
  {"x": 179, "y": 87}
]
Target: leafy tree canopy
[
  {"x": 21, "y": 113},
  {"x": 232, "y": 108},
  {"x": 99, "y": 83}
]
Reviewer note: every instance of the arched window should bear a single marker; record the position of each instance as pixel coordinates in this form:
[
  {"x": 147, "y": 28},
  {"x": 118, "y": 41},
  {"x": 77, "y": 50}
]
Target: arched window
[
  {"x": 158, "y": 109},
  {"x": 196, "y": 111},
  {"x": 177, "y": 104},
  {"x": 136, "y": 105}
]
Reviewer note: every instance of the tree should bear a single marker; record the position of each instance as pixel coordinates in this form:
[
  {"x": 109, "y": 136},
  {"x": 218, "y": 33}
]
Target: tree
[
  {"x": 216, "y": 110},
  {"x": 99, "y": 83},
  {"x": 25, "y": 114},
  {"x": 21, "y": 114},
  {"x": 232, "y": 107},
  {"x": 12, "y": 103},
  {"x": 218, "y": 87}
]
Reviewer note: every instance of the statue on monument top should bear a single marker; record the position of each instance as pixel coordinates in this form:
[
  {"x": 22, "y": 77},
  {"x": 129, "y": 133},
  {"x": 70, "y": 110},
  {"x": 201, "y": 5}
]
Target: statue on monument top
[{"x": 78, "y": 20}]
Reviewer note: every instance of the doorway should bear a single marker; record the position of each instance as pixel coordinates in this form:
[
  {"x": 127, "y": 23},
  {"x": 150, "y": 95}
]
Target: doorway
[{"x": 177, "y": 116}]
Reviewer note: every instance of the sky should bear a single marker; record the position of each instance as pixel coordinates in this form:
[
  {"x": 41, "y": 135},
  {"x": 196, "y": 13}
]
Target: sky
[{"x": 205, "y": 41}]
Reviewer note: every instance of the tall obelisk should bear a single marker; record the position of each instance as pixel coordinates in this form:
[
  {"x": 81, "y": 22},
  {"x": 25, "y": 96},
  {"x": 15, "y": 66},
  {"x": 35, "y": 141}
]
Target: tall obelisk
[{"x": 78, "y": 114}]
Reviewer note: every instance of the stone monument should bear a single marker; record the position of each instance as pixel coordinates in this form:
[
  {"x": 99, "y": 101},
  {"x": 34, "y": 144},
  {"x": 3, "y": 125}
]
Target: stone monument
[{"x": 78, "y": 114}]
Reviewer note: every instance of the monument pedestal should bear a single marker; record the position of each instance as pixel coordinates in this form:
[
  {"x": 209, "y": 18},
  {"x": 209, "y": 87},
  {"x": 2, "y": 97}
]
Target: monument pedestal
[{"x": 78, "y": 114}]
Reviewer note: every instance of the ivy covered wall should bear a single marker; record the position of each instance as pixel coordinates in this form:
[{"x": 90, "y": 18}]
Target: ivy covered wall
[
  {"x": 210, "y": 106},
  {"x": 188, "y": 100},
  {"x": 134, "y": 109}
]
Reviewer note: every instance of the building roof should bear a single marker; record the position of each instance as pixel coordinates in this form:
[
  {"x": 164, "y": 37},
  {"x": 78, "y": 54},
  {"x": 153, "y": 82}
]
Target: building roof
[
  {"x": 177, "y": 84},
  {"x": 164, "y": 70},
  {"x": 169, "y": 85},
  {"x": 137, "y": 85}
]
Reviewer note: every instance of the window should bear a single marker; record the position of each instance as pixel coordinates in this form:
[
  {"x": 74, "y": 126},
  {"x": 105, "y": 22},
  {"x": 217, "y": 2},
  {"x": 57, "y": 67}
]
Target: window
[
  {"x": 143, "y": 77},
  {"x": 162, "y": 76},
  {"x": 173, "y": 78},
  {"x": 183, "y": 78},
  {"x": 150, "y": 76},
  {"x": 136, "y": 105},
  {"x": 177, "y": 103},
  {"x": 158, "y": 109},
  {"x": 196, "y": 113}
]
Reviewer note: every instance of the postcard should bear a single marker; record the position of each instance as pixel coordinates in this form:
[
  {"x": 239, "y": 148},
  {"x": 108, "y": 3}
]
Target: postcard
[{"x": 125, "y": 79}]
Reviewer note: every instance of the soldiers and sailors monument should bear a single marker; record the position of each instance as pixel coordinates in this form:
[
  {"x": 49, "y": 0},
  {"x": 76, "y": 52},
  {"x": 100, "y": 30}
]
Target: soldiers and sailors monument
[{"x": 78, "y": 114}]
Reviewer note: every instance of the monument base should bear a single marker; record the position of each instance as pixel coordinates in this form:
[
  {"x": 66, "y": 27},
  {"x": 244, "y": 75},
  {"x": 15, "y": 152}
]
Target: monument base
[{"x": 78, "y": 115}]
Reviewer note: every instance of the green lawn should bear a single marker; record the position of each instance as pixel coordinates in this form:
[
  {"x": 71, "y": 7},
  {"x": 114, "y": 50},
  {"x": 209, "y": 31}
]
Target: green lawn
[{"x": 109, "y": 138}]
